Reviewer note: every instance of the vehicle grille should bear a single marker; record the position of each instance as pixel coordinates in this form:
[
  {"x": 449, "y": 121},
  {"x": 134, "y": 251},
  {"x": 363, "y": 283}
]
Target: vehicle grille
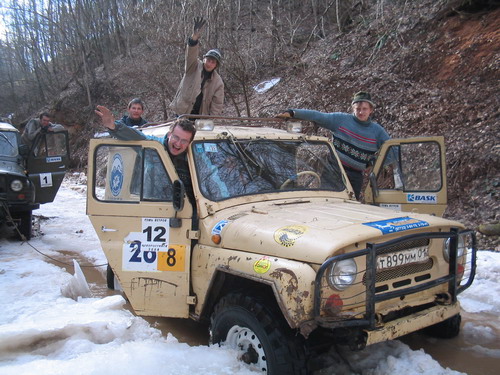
[
  {"x": 356, "y": 305},
  {"x": 406, "y": 245},
  {"x": 406, "y": 270},
  {"x": 401, "y": 271}
]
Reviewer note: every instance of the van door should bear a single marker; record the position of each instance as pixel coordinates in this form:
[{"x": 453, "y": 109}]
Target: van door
[
  {"x": 47, "y": 163},
  {"x": 146, "y": 241},
  {"x": 410, "y": 175}
]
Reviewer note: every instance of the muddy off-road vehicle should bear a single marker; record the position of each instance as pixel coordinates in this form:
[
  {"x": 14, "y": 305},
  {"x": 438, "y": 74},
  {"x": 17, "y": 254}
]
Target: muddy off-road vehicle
[
  {"x": 273, "y": 250},
  {"x": 29, "y": 177}
]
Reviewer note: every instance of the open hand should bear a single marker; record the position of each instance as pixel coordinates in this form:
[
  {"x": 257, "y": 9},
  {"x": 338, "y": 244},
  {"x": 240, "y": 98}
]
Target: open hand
[{"x": 108, "y": 120}]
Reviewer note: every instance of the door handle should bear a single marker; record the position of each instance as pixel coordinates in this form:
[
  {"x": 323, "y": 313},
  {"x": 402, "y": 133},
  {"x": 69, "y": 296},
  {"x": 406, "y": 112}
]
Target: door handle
[{"x": 104, "y": 229}]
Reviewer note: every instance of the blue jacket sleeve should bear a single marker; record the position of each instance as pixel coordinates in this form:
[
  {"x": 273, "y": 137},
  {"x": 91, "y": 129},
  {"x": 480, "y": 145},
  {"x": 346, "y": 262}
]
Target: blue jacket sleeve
[
  {"x": 325, "y": 120},
  {"x": 126, "y": 133}
]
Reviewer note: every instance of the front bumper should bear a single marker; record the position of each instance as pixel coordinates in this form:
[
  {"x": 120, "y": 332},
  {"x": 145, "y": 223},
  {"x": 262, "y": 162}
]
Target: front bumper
[{"x": 412, "y": 323}]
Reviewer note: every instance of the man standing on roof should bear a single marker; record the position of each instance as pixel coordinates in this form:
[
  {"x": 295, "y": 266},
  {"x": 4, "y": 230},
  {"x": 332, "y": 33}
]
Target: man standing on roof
[
  {"x": 355, "y": 136},
  {"x": 201, "y": 91}
]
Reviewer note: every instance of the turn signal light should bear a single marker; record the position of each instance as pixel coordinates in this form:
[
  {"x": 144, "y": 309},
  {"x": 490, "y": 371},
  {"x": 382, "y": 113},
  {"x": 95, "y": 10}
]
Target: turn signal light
[
  {"x": 333, "y": 305},
  {"x": 216, "y": 238}
]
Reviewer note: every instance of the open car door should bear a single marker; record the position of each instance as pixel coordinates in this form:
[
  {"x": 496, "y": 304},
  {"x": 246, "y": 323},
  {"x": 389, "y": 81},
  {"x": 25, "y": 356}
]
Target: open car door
[
  {"x": 410, "y": 175},
  {"x": 137, "y": 206},
  {"x": 47, "y": 163}
]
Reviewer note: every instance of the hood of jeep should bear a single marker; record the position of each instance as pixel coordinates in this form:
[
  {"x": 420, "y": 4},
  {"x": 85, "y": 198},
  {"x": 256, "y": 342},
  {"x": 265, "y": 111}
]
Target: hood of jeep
[{"x": 313, "y": 230}]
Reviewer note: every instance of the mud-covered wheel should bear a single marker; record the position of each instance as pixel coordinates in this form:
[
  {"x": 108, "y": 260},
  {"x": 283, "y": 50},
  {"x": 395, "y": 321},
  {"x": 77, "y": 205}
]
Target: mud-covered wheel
[
  {"x": 25, "y": 224},
  {"x": 447, "y": 329},
  {"x": 263, "y": 342}
]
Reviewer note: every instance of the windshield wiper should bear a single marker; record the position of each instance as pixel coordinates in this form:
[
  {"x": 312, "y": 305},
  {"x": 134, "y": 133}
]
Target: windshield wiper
[{"x": 243, "y": 157}]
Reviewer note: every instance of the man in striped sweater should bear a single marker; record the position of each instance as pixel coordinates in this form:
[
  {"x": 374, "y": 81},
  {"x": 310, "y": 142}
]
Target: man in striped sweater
[{"x": 355, "y": 136}]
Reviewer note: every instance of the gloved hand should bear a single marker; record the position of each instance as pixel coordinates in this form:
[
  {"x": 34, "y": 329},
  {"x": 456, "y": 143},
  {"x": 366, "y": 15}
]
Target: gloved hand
[
  {"x": 199, "y": 22},
  {"x": 285, "y": 115}
]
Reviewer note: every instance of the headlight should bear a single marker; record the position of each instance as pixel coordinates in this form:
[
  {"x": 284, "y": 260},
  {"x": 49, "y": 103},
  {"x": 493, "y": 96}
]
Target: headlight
[
  {"x": 342, "y": 274},
  {"x": 16, "y": 185},
  {"x": 460, "y": 249}
]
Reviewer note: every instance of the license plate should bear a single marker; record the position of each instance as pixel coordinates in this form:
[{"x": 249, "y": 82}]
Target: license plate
[{"x": 400, "y": 258}]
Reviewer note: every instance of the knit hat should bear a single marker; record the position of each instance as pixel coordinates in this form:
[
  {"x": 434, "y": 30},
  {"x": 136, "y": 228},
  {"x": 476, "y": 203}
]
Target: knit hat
[{"x": 362, "y": 97}]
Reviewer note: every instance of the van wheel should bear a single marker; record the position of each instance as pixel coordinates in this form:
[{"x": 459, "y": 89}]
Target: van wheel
[
  {"x": 110, "y": 278},
  {"x": 447, "y": 329},
  {"x": 25, "y": 225},
  {"x": 244, "y": 324}
]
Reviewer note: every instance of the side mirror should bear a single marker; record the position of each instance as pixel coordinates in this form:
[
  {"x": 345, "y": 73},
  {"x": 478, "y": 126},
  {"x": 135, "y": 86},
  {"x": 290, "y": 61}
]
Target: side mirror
[
  {"x": 179, "y": 194},
  {"x": 373, "y": 184},
  {"x": 24, "y": 150}
]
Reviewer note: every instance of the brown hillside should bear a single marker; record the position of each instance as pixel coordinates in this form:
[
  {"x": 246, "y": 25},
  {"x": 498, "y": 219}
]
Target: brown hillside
[
  {"x": 439, "y": 77},
  {"x": 430, "y": 72}
]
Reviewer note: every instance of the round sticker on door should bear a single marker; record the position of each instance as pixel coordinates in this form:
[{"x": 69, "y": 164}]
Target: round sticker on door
[
  {"x": 286, "y": 236},
  {"x": 116, "y": 178}
]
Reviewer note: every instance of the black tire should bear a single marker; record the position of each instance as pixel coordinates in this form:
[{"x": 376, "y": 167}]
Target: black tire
[
  {"x": 246, "y": 325},
  {"x": 25, "y": 225},
  {"x": 447, "y": 329},
  {"x": 110, "y": 278}
]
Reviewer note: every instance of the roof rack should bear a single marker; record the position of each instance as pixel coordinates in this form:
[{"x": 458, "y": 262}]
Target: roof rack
[
  {"x": 257, "y": 121},
  {"x": 230, "y": 118}
]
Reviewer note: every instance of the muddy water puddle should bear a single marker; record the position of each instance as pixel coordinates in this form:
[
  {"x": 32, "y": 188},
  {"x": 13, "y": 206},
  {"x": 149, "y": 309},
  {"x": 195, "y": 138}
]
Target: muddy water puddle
[
  {"x": 477, "y": 354},
  {"x": 463, "y": 353}
]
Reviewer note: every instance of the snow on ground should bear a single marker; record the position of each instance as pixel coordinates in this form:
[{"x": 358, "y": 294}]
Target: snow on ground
[{"x": 43, "y": 331}]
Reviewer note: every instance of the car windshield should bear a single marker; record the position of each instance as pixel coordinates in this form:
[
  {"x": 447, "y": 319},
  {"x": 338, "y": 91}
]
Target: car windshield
[
  {"x": 229, "y": 168},
  {"x": 8, "y": 144}
]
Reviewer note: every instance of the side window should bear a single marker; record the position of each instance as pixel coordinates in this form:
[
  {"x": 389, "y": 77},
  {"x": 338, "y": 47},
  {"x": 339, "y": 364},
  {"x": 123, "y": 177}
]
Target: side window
[
  {"x": 412, "y": 167},
  {"x": 130, "y": 174},
  {"x": 156, "y": 183},
  {"x": 50, "y": 144}
]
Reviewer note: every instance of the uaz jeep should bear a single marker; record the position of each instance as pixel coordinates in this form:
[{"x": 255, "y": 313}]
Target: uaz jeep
[
  {"x": 273, "y": 249},
  {"x": 29, "y": 177}
]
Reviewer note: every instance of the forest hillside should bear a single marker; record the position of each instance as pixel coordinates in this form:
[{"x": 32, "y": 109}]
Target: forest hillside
[{"x": 431, "y": 66}]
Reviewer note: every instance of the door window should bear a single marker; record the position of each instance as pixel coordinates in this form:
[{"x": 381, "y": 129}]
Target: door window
[
  {"x": 130, "y": 174},
  {"x": 51, "y": 144},
  {"x": 411, "y": 167}
]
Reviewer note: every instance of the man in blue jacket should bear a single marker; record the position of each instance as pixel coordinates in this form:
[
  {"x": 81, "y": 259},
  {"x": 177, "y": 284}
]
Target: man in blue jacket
[
  {"x": 176, "y": 141},
  {"x": 355, "y": 136},
  {"x": 135, "y": 111}
]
